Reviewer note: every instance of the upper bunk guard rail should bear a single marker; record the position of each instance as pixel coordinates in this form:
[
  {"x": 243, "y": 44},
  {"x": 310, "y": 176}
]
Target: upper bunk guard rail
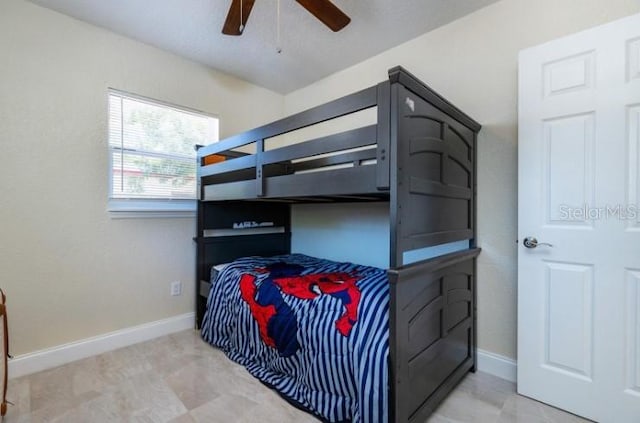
[
  {"x": 334, "y": 109},
  {"x": 259, "y": 167},
  {"x": 359, "y": 179},
  {"x": 354, "y": 138}
]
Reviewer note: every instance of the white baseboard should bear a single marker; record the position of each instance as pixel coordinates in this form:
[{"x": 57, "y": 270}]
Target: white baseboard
[
  {"x": 497, "y": 365},
  {"x": 26, "y": 364},
  {"x": 56, "y": 356}
]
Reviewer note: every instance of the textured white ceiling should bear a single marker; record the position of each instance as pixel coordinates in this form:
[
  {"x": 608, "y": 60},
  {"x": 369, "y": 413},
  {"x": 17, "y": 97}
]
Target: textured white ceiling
[{"x": 310, "y": 51}]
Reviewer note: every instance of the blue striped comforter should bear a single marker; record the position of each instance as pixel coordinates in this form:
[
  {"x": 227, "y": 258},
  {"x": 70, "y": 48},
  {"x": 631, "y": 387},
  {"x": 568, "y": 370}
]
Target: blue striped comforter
[{"x": 315, "y": 330}]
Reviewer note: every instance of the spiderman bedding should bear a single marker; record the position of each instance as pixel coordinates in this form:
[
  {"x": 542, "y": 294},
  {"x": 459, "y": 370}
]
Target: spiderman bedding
[{"x": 315, "y": 330}]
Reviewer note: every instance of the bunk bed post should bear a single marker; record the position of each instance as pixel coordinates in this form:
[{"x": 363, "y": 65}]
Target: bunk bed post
[
  {"x": 383, "y": 154},
  {"x": 200, "y": 302},
  {"x": 474, "y": 245},
  {"x": 396, "y": 372},
  {"x": 395, "y": 252}
]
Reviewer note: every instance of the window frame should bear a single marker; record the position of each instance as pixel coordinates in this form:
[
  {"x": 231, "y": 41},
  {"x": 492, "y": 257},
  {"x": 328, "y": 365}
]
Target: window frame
[{"x": 149, "y": 207}]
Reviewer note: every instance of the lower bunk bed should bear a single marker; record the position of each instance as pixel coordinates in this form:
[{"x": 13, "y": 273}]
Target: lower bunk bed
[
  {"x": 317, "y": 331},
  {"x": 313, "y": 329}
]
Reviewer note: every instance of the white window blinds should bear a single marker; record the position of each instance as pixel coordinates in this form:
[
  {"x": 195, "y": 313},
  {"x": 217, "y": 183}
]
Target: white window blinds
[{"x": 151, "y": 146}]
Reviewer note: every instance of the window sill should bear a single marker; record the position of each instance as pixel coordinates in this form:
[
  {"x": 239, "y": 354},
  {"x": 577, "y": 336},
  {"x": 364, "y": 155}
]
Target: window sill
[{"x": 147, "y": 209}]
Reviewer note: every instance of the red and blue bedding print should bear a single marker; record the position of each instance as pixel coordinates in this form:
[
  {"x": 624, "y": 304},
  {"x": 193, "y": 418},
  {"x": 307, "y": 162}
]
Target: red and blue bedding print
[{"x": 313, "y": 329}]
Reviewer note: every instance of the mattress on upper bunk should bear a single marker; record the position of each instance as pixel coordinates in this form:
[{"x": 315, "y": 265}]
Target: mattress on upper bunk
[{"x": 315, "y": 330}]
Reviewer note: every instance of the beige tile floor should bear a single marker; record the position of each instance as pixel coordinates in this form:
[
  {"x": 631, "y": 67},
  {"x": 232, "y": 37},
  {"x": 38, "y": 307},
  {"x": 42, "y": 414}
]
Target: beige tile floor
[{"x": 180, "y": 379}]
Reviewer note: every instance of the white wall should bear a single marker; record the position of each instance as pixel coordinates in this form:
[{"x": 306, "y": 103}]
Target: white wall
[
  {"x": 69, "y": 270},
  {"x": 473, "y": 63}
]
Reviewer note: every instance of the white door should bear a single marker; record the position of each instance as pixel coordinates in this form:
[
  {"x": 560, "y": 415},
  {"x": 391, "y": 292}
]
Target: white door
[{"x": 579, "y": 189}]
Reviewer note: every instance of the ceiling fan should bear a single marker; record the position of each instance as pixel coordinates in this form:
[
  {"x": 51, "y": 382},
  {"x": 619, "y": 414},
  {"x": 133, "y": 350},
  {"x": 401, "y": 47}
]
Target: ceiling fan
[{"x": 327, "y": 12}]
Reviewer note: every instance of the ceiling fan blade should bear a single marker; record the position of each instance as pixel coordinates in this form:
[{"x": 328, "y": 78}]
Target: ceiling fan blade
[
  {"x": 234, "y": 25},
  {"x": 327, "y": 12}
]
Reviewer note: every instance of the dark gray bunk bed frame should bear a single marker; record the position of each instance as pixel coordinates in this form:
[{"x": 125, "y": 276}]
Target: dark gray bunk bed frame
[{"x": 425, "y": 168}]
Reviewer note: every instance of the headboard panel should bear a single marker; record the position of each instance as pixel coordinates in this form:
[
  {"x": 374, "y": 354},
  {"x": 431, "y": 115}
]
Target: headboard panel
[
  {"x": 230, "y": 230},
  {"x": 433, "y": 169}
]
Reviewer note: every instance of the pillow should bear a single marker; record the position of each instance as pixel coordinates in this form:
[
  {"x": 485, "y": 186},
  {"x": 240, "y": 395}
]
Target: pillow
[
  {"x": 216, "y": 270},
  {"x": 213, "y": 159}
]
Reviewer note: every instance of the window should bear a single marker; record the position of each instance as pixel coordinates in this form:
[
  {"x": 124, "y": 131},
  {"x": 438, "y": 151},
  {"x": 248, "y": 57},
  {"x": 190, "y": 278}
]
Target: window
[{"x": 153, "y": 160}]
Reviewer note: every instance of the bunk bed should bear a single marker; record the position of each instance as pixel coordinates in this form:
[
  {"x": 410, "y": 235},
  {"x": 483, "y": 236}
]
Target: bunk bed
[{"x": 420, "y": 158}]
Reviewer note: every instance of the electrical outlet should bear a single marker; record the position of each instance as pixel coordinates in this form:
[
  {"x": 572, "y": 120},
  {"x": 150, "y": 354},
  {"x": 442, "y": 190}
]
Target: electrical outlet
[{"x": 176, "y": 288}]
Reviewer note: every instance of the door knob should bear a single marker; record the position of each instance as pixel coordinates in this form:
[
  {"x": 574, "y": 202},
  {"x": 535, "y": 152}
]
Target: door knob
[{"x": 531, "y": 242}]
